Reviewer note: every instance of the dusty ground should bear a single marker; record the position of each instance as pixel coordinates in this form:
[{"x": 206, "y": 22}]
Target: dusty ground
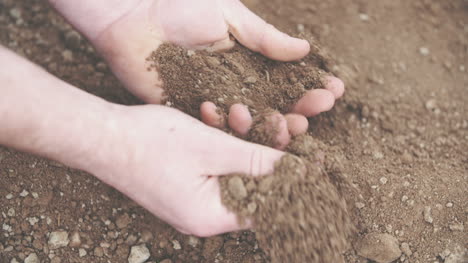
[{"x": 402, "y": 127}]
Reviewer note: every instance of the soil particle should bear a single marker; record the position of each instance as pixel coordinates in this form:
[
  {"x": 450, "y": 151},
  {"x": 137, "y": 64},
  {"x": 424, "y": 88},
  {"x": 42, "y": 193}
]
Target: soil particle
[
  {"x": 75, "y": 239},
  {"x": 123, "y": 221},
  {"x": 32, "y": 258},
  {"x": 381, "y": 248},
  {"x": 236, "y": 76},
  {"x": 237, "y": 188},
  {"x": 139, "y": 254},
  {"x": 58, "y": 239},
  {"x": 212, "y": 246}
]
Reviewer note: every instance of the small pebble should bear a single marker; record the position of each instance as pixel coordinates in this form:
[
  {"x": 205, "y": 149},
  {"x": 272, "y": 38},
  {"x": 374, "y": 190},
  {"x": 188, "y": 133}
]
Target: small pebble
[
  {"x": 449, "y": 205},
  {"x": 359, "y": 205},
  {"x": 139, "y": 254},
  {"x": 98, "y": 252},
  {"x": 193, "y": 241},
  {"x": 11, "y": 212},
  {"x": 32, "y": 258},
  {"x": 75, "y": 239},
  {"x": 381, "y": 248},
  {"x": 404, "y": 198},
  {"x": 67, "y": 55},
  {"x": 15, "y": 13},
  {"x": 24, "y": 193},
  {"x": 300, "y": 28},
  {"x": 123, "y": 221},
  {"x": 58, "y": 239},
  {"x": 82, "y": 252},
  {"x": 424, "y": 51},
  {"x": 427, "y": 215},
  {"x": 237, "y": 188},
  {"x": 383, "y": 180},
  {"x": 456, "y": 227},
  {"x": 250, "y": 80},
  {"x": 406, "y": 249},
  {"x": 9, "y": 196},
  {"x": 431, "y": 104},
  {"x": 176, "y": 245},
  {"x": 72, "y": 39},
  {"x": 364, "y": 17}
]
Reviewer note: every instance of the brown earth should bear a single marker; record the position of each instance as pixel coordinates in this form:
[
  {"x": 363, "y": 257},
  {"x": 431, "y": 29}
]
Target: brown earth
[{"x": 402, "y": 128}]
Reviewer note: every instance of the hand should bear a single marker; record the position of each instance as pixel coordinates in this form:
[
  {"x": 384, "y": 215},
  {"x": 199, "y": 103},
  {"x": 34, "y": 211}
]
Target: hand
[
  {"x": 127, "y": 31},
  {"x": 169, "y": 163}
]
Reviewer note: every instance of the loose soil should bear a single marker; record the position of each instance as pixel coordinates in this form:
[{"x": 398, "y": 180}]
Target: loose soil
[{"x": 399, "y": 138}]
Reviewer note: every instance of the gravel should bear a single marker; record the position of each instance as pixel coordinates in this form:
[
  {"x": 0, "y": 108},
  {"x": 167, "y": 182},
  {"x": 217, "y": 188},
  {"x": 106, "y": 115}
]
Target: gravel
[
  {"x": 381, "y": 248},
  {"x": 58, "y": 239},
  {"x": 32, "y": 258},
  {"x": 138, "y": 254}
]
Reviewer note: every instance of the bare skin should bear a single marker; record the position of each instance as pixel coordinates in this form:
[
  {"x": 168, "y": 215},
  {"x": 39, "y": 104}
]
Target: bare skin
[
  {"x": 127, "y": 31},
  {"x": 163, "y": 159}
]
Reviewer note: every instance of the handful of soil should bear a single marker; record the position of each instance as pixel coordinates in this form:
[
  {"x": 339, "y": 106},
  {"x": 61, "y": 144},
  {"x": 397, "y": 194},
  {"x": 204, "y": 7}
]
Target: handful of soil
[
  {"x": 236, "y": 76},
  {"x": 298, "y": 212}
]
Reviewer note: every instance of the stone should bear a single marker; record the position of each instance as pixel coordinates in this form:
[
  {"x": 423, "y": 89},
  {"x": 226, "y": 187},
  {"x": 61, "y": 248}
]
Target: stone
[
  {"x": 381, "y": 248},
  {"x": 176, "y": 245},
  {"x": 123, "y": 221},
  {"x": 138, "y": 254},
  {"x": 193, "y": 241},
  {"x": 15, "y": 13},
  {"x": 67, "y": 55},
  {"x": 32, "y": 258},
  {"x": 250, "y": 80},
  {"x": 98, "y": 252},
  {"x": 428, "y": 215},
  {"x": 75, "y": 239},
  {"x": 72, "y": 39},
  {"x": 82, "y": 252},
  {"x": 405, "y": 248},
  {"x": 58, "y": 239},
  {"x": 456, "y": 226},
  {"x": 166, "y": 261},
  {"x": 237, "y": 188}
]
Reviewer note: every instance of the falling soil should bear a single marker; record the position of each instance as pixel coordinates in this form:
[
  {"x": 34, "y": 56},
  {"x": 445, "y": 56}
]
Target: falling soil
[{"x": 297, "y": 212}]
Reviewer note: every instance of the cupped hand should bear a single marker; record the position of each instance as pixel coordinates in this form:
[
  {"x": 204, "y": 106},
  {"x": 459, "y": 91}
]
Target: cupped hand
[
  {"x": 127, "y": 31},
  {"x": 170, "y": 163}
]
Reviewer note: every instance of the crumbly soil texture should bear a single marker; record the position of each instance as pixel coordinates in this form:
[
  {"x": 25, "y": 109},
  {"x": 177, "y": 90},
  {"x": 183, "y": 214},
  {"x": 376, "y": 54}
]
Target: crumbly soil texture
[
  {"x": 394, "y": 147},
  {"x": 236, "y": 76}
]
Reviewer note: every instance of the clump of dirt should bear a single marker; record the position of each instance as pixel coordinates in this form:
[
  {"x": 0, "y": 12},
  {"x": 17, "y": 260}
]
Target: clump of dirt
[
  {"x": 236, "y": 76},
  {"x": 298, "y": 213}
]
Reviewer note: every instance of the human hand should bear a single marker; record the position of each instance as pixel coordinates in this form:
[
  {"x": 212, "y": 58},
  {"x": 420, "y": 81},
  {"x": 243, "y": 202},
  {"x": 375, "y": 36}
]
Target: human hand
[
  {"x": 170, "y": 163},
  {"x": 127, "y": 31}
]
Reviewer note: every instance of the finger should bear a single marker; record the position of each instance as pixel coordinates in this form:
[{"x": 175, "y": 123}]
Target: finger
[
  {"x": 217, "y": 219},
  {"x": 314, "y": 102},
  {"x": 335, "y": 86},
  {"x": 210, "y": 116},
  {"x": 277, "y": 122},
  {"x": 254, "y": 33},
  {"x": 297, "y": 124},
  {"x": 240, "y": 119}
]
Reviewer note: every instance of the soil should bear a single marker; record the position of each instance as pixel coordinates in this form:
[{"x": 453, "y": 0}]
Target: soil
[
  {"x": 399, "y": 136},
  {"x": 236, "y": 76}
]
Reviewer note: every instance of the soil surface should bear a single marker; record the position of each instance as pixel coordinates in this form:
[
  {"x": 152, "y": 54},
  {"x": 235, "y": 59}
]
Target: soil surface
[{"x": 400, "y": 133}]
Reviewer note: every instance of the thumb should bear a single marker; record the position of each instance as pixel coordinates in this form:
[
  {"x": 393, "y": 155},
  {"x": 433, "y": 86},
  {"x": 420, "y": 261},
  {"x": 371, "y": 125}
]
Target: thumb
[
  {"x": 234, "y": 155},
  {"x": 254, "y": 33}
]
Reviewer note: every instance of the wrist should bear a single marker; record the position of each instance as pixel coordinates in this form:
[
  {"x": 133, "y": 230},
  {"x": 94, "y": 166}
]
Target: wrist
[{"x": 92, "y": 17}]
